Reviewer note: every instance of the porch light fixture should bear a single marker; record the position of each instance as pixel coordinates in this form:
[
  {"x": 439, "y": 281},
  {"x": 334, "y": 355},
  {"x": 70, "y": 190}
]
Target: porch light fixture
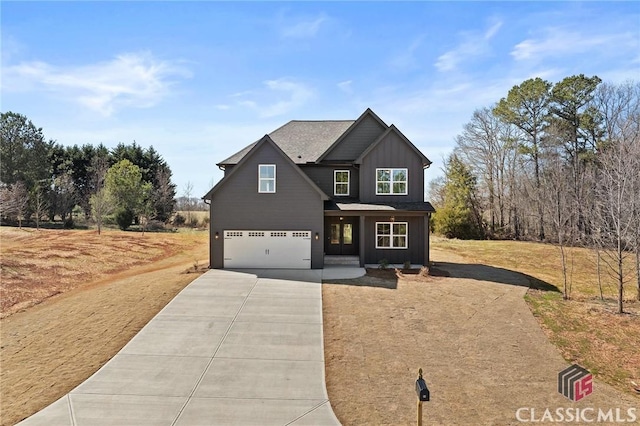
[
  {"x": 317, "y": 236},
  {"x": 392, "y": 219},
  {"x": 217, "y": 235}
]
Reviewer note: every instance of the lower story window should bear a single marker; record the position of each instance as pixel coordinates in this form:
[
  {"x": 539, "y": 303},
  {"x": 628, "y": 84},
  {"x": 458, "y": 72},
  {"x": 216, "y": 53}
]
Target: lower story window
[{"x": 391, "y": 235}]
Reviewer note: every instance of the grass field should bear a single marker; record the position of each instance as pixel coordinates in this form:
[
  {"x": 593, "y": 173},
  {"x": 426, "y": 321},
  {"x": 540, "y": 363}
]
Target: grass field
[
  {"x": 585, "y": 328},
  {"x": 202, "y": 217}
]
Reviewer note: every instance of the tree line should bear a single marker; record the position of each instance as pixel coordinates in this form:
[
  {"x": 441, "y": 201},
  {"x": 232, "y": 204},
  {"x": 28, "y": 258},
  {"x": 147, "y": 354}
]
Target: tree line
[
  {"x": 555, "y": 162},
  {"x": 42, "y": 179}
]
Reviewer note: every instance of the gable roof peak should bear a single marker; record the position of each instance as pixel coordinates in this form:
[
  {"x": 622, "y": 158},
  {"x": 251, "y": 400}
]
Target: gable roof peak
[
  {"x": 308, "y": 141},
  {"x": 367, "y": 113},
  {"x": 393, "y": 129},
  {"x": 266, "y": 139}
]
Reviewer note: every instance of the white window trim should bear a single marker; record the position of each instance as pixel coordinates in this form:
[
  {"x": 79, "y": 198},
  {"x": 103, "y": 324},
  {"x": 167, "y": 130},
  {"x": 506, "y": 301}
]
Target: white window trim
[
  {"x": 335, "y": 183},
  {"x": 391, "y": 235},
  {"x": 260, "y": 179},
  {"x": 391, "y": 182}
]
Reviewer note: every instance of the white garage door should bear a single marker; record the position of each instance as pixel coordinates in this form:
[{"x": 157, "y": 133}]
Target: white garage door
[{"x": 267, "y": 249}]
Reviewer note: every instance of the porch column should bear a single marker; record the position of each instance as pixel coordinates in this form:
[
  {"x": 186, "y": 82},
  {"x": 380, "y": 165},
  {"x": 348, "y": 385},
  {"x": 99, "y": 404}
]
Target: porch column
[
  {"x": 426, "y": 239},
  {"x": 362, "y": 240}
]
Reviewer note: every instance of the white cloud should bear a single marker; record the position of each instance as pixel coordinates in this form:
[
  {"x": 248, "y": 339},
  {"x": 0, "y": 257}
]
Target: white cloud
[
  {"x": 11, "y": 48},
  {"x": 473, "y": 44},
  {"x": 288, "y": 95},
  {"x": 297, "y": 95},
  {"x": 345, "y": 86},
  {"x": 493, "y": 30},
  {"x": 406, "y": 59},
  {"x": 558, "y": 42},
  {"x": 135, "y": 80},
  {"x": 304, "y": 28}
]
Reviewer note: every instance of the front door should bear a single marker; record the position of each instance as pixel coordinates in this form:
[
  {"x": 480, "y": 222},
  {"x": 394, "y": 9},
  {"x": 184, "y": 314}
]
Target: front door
[{"x": 342, "y": 235}]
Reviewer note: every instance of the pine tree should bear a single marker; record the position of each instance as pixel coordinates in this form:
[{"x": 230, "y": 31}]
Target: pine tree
[{"x": 459, "y": 217}]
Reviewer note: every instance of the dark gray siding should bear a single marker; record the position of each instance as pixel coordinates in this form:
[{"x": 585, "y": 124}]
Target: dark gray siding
[
  {"x": 227, "y": 169},
  {"x": 323, "y": 177},
  {"x": 359, "y": 139},
  {"x": 392, "y": 152},
  {"x": 294, "y": 206},
  {"x": 416, "y": 245}
]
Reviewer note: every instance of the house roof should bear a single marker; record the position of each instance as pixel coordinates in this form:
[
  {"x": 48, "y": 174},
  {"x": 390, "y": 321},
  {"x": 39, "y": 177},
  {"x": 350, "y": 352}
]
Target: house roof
[
  {"x": 250, "y": 150},
  {"x": 417, "y": 206},
  {"x": 310, "y": 141},
  {"x": 301, "y": 141}
]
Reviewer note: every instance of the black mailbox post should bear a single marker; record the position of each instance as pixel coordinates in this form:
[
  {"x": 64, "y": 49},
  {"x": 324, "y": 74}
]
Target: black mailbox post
[{"x": 422, "y": 391}]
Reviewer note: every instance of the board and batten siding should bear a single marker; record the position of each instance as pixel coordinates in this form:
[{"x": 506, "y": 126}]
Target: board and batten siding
[
  {"x": 357, "y": 141},
  {"x": 392, "y": 152},
  {"x": 295, "y": 205},
  {"x": 323, "y": 177},
  {"x": 415, "y": 251}
]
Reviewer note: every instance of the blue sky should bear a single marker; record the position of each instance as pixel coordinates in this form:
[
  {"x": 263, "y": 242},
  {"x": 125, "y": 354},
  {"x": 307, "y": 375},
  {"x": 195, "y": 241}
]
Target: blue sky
[{"x": 201, "y": 80}]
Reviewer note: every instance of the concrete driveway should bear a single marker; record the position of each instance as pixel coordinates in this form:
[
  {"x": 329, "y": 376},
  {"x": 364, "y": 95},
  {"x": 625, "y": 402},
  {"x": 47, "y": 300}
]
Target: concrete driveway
[{"x": 233, "y": 348}]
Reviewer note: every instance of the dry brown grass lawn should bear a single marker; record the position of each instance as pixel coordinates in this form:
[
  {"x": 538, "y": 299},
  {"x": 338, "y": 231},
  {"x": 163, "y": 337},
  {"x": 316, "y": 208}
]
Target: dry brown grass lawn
[
  {"x": 37, "y": 264},
  {"x": 73, "y": 299},
  {"x": 586, "y": 329}
]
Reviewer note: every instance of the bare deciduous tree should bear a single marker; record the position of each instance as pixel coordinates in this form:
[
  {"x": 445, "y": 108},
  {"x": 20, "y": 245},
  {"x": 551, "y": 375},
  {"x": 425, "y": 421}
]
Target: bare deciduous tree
[
  {"x": 615, "y": 207},
  {"x": 188, "y": 205},
  {"x": 486, "y": 145},
  {"x": 101, "y": 205},
  {"x": 559, "y": 209},
  {"x": 101, "y": 202},
  {"x": 40, "y": 204},
  {"x": 14, "y": 201}
]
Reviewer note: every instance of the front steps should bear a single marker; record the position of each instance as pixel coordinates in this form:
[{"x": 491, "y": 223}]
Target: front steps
[{"x": 332, "y": 260}]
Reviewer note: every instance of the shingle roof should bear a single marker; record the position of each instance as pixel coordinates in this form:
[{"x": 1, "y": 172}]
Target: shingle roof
[
  {"x": 302, "y": 141},
  {"x": 235, "y": 158}
]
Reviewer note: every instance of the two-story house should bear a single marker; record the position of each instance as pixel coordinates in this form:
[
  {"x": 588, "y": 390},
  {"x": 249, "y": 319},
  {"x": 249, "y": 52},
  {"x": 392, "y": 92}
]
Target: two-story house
[{"x": 316, "y": 188}]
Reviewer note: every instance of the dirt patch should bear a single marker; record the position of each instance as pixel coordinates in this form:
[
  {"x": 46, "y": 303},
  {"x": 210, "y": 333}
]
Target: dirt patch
[
  {"x": 482, "y": 352},
  {"x": 58, "y": 342}
]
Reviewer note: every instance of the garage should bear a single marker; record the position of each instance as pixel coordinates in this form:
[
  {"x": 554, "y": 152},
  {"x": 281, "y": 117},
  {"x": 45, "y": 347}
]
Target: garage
[{"x": 267, "y": 249}]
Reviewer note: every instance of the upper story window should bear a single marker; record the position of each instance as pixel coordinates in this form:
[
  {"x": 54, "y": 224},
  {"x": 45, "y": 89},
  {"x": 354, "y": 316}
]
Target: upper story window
[
  {"x": 341, "y": 182},
  {"x": 267, "y": 178},
  {"x": 391, "y": 181}
]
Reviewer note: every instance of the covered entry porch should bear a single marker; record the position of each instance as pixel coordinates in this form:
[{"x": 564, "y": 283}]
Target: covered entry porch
[{"x": 369, "y": 233}]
